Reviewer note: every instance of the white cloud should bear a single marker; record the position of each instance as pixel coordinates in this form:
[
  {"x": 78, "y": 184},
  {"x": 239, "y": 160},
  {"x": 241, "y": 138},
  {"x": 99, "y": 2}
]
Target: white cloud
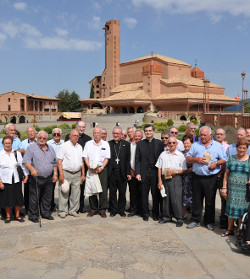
[
  {"x": 59, "y": 43},
  {"x": 95, "y": 23},
  {"x": 61, "y": 32},
  {"x": 130, "y": 22},
  {"x": 214, "y": 8},
  {"x": 20, "y": 6},
  {"x": 3, "y": 37},
  {"x": 33, "y": 38}
]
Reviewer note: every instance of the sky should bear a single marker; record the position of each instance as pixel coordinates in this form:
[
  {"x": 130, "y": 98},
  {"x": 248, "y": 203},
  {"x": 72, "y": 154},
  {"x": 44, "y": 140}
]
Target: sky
[{"x": 50, "y": 45}]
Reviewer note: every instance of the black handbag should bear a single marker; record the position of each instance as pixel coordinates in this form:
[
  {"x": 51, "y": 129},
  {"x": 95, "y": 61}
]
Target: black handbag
[{"x": 19, "y": 169}]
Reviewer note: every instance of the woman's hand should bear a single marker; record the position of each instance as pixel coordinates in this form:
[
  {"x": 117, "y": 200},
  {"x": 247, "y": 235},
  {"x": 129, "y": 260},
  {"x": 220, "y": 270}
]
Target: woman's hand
[{"x": 25, "y": 179}]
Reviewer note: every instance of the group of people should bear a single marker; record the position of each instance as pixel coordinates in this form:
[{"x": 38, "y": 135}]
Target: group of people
[{"x": 179, "y": 174}]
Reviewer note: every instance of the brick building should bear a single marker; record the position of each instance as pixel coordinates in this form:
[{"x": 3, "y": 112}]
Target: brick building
[
  {"x": 19, "y": 107},
  {"x": 154, "y": 83}
]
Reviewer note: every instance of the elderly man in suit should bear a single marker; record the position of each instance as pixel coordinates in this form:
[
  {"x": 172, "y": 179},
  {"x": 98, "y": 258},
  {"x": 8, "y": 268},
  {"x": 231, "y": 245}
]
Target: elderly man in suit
[
  {"x": 119, "y": 172},
  {"x": 147, "y": 153}
]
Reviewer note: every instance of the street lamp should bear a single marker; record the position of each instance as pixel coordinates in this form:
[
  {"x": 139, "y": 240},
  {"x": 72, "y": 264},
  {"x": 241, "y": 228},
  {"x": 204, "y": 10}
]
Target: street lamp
[
  {"x": 243, "y": 74},
  {"x": 206, "y": 96}
]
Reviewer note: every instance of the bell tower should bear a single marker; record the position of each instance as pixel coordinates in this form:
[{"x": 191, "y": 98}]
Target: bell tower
[{"x": 111, "y": 73}]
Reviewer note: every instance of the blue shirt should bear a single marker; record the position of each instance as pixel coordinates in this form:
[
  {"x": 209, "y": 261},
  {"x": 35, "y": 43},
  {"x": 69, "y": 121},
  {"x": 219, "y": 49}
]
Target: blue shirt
[
  {"x": 16, "y": 145},
  {"x": 55, "y": 146},
  {"x": 198, "y": 149},
  {"x": 26, "y": 143},
  {"x": 232, "y": 151}
]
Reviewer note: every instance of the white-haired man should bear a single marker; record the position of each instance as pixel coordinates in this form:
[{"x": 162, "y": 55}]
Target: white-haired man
[{"x": 206, "y": 156}]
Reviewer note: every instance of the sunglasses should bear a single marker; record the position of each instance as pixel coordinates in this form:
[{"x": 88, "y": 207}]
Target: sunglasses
[
  {"x": 56, "y": 134},
  {"x": 162, "y": 138},
  {"x": 171, "y": 143},
  {"x": 174, "y": 132}
]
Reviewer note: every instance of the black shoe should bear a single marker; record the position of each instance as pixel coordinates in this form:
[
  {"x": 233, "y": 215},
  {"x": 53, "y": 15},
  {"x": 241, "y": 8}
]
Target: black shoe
[
  {"x": 48, "y": 218},
  {"x": 81, "y": 210},
  {"x": 179, "y": 224},
  {"x": 19, "y": 219},
  {"x": 132, "y": 214},
  {"x": 122, "y": 214},
  {"x": 155, "y": 218},
  {"x": 112, "y": 214},
  {"x": 7, "y": 220},
  {"x": 145, "y": 218},
  {"x": 164, "y": 221},
  {"x": 34, "y": 220}
]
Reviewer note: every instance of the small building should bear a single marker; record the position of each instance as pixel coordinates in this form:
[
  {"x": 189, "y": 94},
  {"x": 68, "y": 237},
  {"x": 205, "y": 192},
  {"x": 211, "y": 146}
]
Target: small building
[
  {"x": 153, "y": 83},
  {"x": 16, "y": 107}
]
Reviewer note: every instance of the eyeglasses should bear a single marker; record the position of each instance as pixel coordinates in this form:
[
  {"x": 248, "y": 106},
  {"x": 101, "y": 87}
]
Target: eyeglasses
[
  {"x": 42, "y": 138},
  {"x": 174, "y": 132},
  {"x": 56, "y": 134},
  {"x": 191, "y": 128},
  {"x": 162, "y": 138},
  {"x": 171, "y": 142},
  {"x": 219, "y": 134},
  {"x": 74, "y": 135}
]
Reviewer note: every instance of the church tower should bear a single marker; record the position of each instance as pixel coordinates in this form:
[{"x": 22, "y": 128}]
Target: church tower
[{"x": 111, "y": 73}]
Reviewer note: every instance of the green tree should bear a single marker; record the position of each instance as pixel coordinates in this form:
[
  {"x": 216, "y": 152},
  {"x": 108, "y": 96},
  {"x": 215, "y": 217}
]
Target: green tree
[
  {"x": 68, "y": 102},
  {"x": 92, "y": 94},
  {"x": 247, "y": 107},
  {"x": 170, "y": 122}
]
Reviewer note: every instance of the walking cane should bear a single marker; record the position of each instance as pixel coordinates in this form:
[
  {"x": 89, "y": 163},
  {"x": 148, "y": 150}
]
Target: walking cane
[{"x": 38, "y": 204}]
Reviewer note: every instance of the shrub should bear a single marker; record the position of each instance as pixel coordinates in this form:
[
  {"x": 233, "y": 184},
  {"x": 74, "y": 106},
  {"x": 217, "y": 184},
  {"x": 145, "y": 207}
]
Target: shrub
[
  {"x": 23, "y": 135},
  {"x": 64, "y": 126},
  {"x": 49, "y": 129},
  {"x": 170, "y": 122},
  {"x": 37, "y": 128},
  {"x": 73, "y": 126},
  {"x": 182, "y": 128},
  {"x": 194, "y": 121}
]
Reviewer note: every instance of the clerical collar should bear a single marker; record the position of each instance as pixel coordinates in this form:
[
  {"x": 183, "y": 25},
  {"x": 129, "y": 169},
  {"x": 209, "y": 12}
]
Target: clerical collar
[{"x": 150, "y": 140}]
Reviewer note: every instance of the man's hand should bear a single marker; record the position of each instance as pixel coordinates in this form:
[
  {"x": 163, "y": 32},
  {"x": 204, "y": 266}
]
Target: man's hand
[
  {"x": 201, "y": 160},
  {"x": 34, "y": 172},
  {"x": 25, "y": 180},
  {"x": 129, "y": 177},
  {"x": 55, "y": 178},
  {"x": 83, "y": 178},
  {"x": 212, "y": 165},
  {"x": 1, "y": 186},
  {"x": 61, "y": 178},
  {"x": 138, "y": 177},
  {"x": 160, "y": 185}
]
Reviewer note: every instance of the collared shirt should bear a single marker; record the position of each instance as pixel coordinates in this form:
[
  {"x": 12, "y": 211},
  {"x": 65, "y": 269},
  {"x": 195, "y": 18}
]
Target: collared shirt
[
  {"x": 16, "y": 145},
  {"x": 96, "y": 153},
  {"x": 82, "y": 140},
  {"x": 26, "y": 143},
  {"x": 56, "y": 146},
  {"x": 42, "y": 161},
  {"x": 225, "y": 145},
  {"x": 232, "y": 151},
  {"x": 8, "y": 166},
  {"x": 71, "y": 156},
  {"x": 175, "y": 161},
  {"x": 198, "y": 149},
  {"x": 132, "y": 155}
]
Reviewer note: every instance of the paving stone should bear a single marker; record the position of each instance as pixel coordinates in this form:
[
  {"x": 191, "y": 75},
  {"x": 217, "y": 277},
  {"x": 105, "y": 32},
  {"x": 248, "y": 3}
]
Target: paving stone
[
  {"x": 61, "y": 272},
  {"x": 97, "y": 273}
]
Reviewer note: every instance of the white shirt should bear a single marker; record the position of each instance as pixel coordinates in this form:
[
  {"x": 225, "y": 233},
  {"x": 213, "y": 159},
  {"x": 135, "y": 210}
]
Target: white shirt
[
  {"x": 96, "y": 153},
  {"x": 175, "y": 161},
  {"x": 56, "y": 146},
  {"x": 180, "y": 146},
  {"x": 71, "y": 156},
  {"x": 8, "y": 166},
  {"x": 132, "y": 155}
]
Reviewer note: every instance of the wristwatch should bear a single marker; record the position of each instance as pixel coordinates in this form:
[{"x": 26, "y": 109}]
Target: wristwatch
[
  {"x": 217, "y": 163},
  {"x": 176, "y": 172}
]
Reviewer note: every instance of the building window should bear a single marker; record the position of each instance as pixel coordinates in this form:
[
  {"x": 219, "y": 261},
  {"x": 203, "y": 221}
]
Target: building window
[
  {"x": 9, "y": 107},
  {"x": 97, "y": 91},
  {"x": 53, "y": 110},
  {"x": 46, "y": 110},
  {"x": 97, "y": 86},
  {"x": 8, "y": 99}
]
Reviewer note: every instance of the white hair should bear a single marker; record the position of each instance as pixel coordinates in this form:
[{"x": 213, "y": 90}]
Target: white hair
[
  {"x": 207, "y": 127},
  {"x": 57, "y": 128},
  {"x": 8, "y": 125},
  {"x": 42, "y": 131}
]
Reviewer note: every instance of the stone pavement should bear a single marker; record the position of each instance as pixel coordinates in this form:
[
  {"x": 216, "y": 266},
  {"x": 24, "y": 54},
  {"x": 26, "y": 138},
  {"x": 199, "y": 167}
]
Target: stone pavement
[{"x": 118, "y": 247}]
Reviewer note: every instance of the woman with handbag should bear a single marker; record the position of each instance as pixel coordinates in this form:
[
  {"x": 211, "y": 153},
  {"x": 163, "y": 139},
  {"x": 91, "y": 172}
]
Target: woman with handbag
[
  {"x": 10, "y": 184},
  {"x": 234, "y": 186}
]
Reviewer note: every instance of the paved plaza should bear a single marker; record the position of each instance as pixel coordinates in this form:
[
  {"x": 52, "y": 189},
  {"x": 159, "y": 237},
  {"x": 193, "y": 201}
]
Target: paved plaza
[{"x": 118, "y": 247}]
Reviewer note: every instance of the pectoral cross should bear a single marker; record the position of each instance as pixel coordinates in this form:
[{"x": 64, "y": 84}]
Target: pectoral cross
[{"x": 117, "y": 160}]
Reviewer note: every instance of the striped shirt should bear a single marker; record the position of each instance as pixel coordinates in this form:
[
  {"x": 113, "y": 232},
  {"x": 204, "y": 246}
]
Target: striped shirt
[{"x": 42, "y": 161}]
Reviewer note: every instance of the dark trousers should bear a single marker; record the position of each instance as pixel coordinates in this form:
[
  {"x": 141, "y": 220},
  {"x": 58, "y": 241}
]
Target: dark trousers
[
  {"x": 223, "y": 217},
  {"x": 45, "y": 187},
  {"x": 82, "y": 187},
  {"x": 204, "y": 187},
  {"x": 26, "y": 195},
  {"x": 150, "y": 181},
  {"x": 117, "y": 183},
  {"x": 135, "y": 195},
  {"x": 93, "y": 200},
  {"x": 53, "y": 205},
  {"x": 172, "y": 204}
]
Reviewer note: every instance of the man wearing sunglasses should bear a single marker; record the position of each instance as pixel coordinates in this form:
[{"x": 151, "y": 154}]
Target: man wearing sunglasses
[
  {"x": 56, "y": 143},
  {"x": 164, "y": 139}
]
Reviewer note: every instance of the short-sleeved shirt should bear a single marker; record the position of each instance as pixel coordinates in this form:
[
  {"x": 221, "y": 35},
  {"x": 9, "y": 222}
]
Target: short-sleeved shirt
[
  {"x": 56, "y": 146},
  {"x": 175, "y": 161},
  {"x": 16, "y": 145},
  {"x": 198, "y": 149},
  {"x": 26, "y": 143},
  {"x": 71, "y": 156},
  {"x": 96, "y": 153},
  {"x": 42, "y": 161}
]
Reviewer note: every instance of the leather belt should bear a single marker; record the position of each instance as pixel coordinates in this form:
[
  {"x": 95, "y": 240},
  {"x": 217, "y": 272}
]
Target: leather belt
[{"x": 71, "y": 171}]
